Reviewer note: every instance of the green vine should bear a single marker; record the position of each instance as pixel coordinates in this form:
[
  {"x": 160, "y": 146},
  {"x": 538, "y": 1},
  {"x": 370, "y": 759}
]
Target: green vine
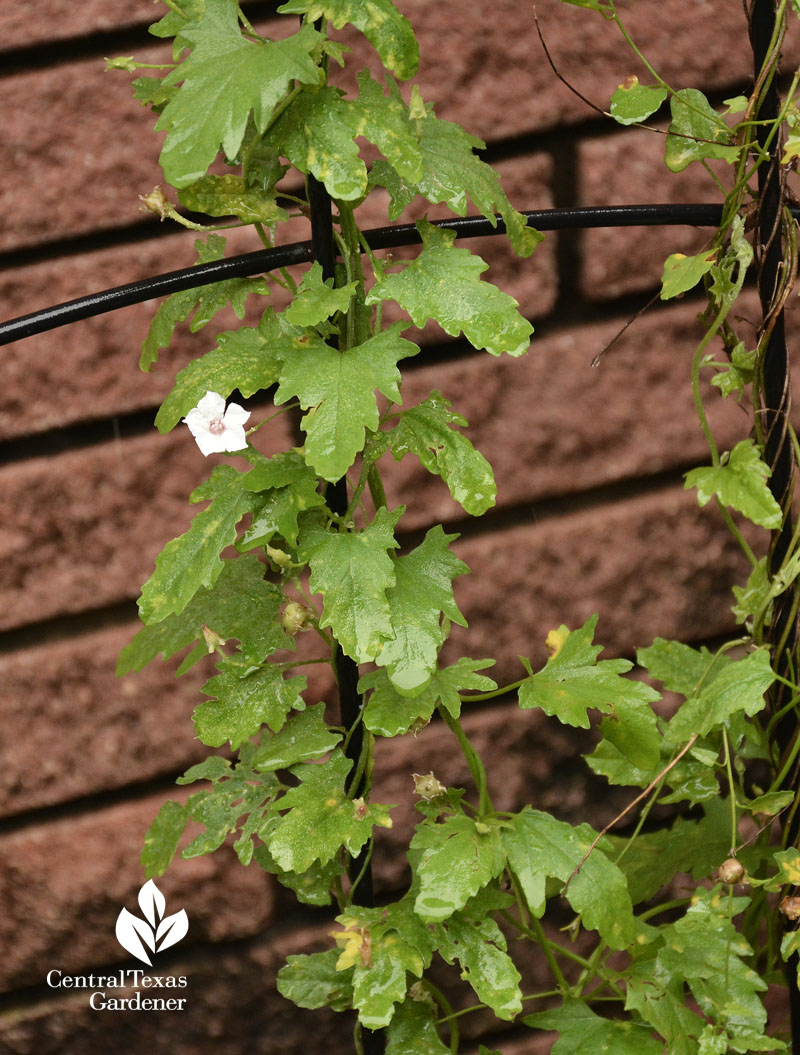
[{"x": 653, "y": 971}]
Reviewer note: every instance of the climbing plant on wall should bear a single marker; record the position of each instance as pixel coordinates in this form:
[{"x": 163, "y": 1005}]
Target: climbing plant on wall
[{"x": 294, "y": 561}]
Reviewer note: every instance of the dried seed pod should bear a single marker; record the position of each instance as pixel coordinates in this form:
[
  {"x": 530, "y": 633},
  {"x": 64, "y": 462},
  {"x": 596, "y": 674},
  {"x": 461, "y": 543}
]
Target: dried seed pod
[
  {"x": 731, "y": 871},
  {"x": 790, "y": 907}
]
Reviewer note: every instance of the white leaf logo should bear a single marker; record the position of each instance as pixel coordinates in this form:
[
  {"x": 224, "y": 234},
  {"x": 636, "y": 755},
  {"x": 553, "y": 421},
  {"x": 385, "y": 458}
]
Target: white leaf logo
[
  {"x": 156, "y": 932},
  {"x": 151, "y": 902}
]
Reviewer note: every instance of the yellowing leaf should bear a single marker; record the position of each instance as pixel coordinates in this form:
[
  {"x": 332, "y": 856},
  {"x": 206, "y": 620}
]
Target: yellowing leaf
[
  {"x": 388, "y": 31},
  {"x": 573, "y": 680},
  {"x": 633, "y": 102},
  {"x": 682, "y": 273}
]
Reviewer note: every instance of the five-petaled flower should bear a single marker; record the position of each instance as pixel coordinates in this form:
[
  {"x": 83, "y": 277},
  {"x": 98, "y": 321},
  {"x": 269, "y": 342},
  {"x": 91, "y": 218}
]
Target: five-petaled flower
[{"x": 216, "y": 429}]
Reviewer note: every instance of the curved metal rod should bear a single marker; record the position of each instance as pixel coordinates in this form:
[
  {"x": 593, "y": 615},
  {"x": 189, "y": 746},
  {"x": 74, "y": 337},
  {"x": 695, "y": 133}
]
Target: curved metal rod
[{"x": 698, "y": 215}]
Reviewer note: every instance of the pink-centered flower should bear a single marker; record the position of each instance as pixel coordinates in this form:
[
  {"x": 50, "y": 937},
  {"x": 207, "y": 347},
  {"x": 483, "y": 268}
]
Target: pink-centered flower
[{"x": 216, "y": 429}]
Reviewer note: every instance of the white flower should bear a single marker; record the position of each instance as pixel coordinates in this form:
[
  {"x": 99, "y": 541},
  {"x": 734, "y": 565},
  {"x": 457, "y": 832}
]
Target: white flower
[{"x": 216, "y": 429}]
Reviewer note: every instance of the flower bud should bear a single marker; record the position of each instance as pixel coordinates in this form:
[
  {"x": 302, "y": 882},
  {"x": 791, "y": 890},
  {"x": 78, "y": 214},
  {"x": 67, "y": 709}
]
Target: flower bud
[
  {"x": 122, "y": 62},
  {"x": 427, "y": 786},
  {"x": 212, "y": 639},
  {"x": 281, "y": 558},
  {"x": 156, "y": 201}
]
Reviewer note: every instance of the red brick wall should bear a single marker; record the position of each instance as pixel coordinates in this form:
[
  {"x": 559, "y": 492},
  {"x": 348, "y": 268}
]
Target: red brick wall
[{"x": 591, "y": 514}]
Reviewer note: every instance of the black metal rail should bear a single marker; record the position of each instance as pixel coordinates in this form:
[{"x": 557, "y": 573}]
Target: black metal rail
[{"x": 693, "y": 215}]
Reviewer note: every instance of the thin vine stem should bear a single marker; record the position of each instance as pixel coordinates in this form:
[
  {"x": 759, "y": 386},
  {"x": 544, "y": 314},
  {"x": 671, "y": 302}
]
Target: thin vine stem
[{"x": 474, "y": 762}]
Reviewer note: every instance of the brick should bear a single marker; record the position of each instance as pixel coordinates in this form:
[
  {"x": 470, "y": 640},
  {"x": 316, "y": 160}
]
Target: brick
[
  {"x": 89, "y": 524},
  {"x": 628, "y": 169},
  {"x": 57, "y": 19},
  {"x": 551, "y": 425},
  {"x": 65, "y": 881},
  {"x": 66, "y": 174},
  {"x": 651, "y": 565},
  {"x": 232, "y": 1006},
  {"x": 95, "y": 375},
  {"x": 66, "y": 699},
  {"x": 486, "y": 68}
]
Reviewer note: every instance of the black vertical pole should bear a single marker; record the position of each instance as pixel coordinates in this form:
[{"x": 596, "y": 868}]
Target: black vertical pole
[
  {"x": 776, "y": 392},
  {"x": 323, "y": 249},
  {"x": 776, "y": 405}
]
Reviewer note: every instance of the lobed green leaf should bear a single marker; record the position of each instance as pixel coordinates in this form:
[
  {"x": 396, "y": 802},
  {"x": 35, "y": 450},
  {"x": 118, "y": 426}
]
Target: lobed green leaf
[
  {"x": 230, "y": 195},
  {"x": 204, "y": 301},
  {"x": 581, "y": 1030},
  {"x": 456, "y": 859},
  {"x": 652, "y": 859},
  {"x": 225, "y": 80},
  {"x": 313, "y": 981},
  {"x": 704, "y": 948},
  {"x": 452, "y": 173},
  {"x": 305, "y": 738},
  {"x": 739, "y": 687},
  {"x": 240, "y": 605},
  {"x": 740, "y": 481},
  {"x": 539, "y": 846},
  {"x": 412, "y": 1030},
  {"x": 572, "y": 681},
  {"x": 443, "y": 283},
  {"x": 193, "y": 560},
  {"x": 337, "y": 388},
  {"x": 247, "y": 359},
  {"x": 353, "y": 571},
  {"x": 220, "y": 809},
  {"x": 315, "y": 134},
  {"x": 243, "y": 702},
  {"x": 681, "y": 668},
  {"x": 316, "y": 300},
  {"x": 384, "y": 120},
  {"x": 425, "y": 430},
  {"x": 321, "y": 805},
  {"x": 286, "y": 488},
  {"x": 421, "y": 595},
  {"x": 480, "y": 948},
  {"x": 388, "y": 713}
]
